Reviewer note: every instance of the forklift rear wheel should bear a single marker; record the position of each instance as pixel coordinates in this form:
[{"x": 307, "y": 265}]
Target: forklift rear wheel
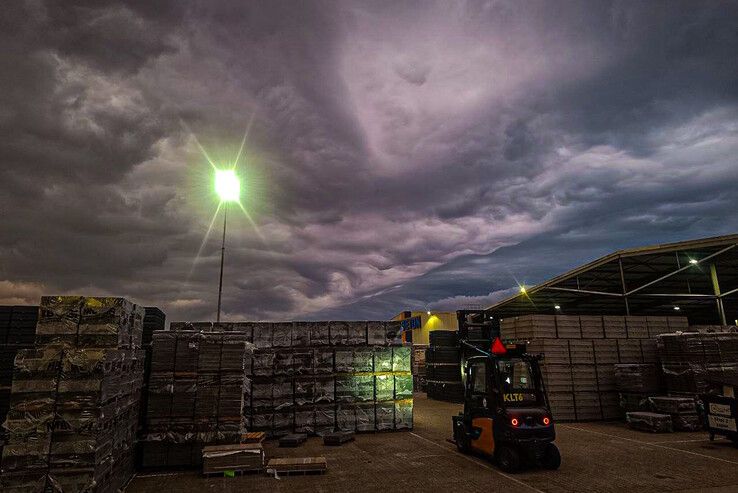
[
  {"x": 551, "y": 457},
  {"x": 462, "y": 446},
  {"x": 508, "y": 459}
]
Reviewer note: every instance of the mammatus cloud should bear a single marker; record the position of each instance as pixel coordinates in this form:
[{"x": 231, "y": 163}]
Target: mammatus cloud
[{"x": 402, "y": 155}]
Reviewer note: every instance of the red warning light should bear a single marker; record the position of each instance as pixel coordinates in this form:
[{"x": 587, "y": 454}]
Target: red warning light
[
  {"x": 498, "y": 347},
  {"x": 514, "y": 421},
  {"x": 546, "y": 421}
]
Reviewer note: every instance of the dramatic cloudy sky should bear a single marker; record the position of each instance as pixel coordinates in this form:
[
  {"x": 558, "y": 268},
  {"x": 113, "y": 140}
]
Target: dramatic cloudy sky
[{"x": 399, "y": 155}]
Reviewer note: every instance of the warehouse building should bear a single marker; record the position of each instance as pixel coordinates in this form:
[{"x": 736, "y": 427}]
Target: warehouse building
[
  {"x": 697, "y": 279},
  {"x": 416, "y": 325}
]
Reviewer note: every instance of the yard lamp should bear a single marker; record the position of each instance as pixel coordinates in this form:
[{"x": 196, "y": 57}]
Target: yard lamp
[{"x": 228, "y": 188}]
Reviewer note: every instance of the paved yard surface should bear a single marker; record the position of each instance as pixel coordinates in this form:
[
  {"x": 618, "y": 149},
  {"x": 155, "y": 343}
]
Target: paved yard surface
[{"x": 597, "y": 457}]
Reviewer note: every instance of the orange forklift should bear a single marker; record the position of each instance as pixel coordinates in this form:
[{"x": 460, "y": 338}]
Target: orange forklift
[{"x": 506, "y": 415}]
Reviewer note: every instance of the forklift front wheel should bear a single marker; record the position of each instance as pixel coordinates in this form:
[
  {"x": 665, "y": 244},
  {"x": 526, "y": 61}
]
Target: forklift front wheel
[
  {"x": 508, "y": 459},
  {"x": 551, "y": 457}
]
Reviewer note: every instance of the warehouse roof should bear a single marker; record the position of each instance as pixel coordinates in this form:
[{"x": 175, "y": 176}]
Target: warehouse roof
[{"x": 696, "y": 278}]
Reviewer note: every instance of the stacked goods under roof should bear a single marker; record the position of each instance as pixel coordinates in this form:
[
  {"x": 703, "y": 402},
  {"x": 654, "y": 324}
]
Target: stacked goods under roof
[
  {"x": 693, "y": 362},
  {"x": 212, "y": 382},
  {"x": 74, "y": 403},
  {"x": 581, "y": 356}
]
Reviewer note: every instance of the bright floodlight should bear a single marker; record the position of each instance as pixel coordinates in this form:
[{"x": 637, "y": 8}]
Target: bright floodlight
[
  {"x": 227, "y": 185},
  {"x": 557, "y": 307},
  {"x": 693, "y": 261},
  {"x": 522, "y": 290},
  {"x": 676, "y": 308}
]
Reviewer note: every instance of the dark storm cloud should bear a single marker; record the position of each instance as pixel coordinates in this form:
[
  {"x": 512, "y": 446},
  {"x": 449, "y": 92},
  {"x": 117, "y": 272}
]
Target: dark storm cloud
[{"x": 402, "y": 154}]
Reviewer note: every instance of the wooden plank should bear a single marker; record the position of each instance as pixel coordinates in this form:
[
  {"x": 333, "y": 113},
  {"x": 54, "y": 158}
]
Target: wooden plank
[
  {"x": 294, "y": 464},
  {"x": 232, "y": 447},
  {"x": 253, "y": 437}
]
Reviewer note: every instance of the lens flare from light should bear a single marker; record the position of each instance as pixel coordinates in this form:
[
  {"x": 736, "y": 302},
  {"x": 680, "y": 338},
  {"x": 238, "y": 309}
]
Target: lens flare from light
[{"x": 227, "y": 185}]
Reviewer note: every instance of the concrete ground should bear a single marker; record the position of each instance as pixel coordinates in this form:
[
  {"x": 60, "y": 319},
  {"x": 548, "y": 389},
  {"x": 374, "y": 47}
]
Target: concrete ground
[{"x": 596, "y": 457}]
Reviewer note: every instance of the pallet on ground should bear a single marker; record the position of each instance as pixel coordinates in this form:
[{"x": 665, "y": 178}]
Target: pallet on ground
[
  {"x": 253, "y": 437},
  {"x": 293, "y": 440},
  {"x": 338, "y": 438},
  {"x": 653, "y": 422},
  {"x": 236, "y": 457},
  {"x": 294, "y": 465}
]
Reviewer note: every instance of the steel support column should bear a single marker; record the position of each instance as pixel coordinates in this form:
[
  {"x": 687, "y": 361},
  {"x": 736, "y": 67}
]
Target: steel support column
[
  {"x": 716, "y": 289},
  {"x": 622, "y": 285}
]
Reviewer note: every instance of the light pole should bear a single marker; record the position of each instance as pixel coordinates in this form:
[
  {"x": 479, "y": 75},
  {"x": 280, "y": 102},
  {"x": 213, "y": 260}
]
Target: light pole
[{"x": 228, "y": 188}]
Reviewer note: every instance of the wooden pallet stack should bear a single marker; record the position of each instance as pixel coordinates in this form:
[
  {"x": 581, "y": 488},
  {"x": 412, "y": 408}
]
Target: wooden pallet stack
[
  {"x": 74, "y": 401},
  {"x": 195, "y": 398},
  {"x": 212, "y": 382},
  {"x": 319, "y": 377},
  {"x": 691, "y": 361},
  {"x": 581, "y": 353}
]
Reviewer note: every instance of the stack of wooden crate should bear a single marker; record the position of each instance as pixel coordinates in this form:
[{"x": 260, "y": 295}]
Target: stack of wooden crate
[
  {"x": 580, "y": 354},
  {"x": 74, "y": 402}
]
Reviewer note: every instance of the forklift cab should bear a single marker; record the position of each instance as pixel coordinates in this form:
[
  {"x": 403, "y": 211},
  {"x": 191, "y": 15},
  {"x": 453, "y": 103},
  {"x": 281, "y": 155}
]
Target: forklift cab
[{"x": 506, "y": 412}]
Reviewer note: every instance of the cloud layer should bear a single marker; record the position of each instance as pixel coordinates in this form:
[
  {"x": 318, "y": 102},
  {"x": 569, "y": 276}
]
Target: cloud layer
[{"x": 399, "y": 154}]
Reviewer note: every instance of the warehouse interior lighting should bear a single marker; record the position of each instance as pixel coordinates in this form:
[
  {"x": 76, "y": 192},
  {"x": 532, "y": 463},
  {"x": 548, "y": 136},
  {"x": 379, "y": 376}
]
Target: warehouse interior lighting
[
  {"x": 522, "y": 290},
  {"x": 693, "y": 261},
  {"x": 677, "y": 308},
  {"x": 428, "y": 312},
  {"x": 227, "y": 185},
  {"x": 557, "y": 307}
]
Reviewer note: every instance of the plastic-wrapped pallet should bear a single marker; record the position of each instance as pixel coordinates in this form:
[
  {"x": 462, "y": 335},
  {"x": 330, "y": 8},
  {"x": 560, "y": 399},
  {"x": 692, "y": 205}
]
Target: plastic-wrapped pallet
[
  {"x": 403, "y": 414},
  {"x": 639, "y": 378},
  {"x": 319, "y": 334},
  {"x": 376, "y": 334},
  {"x": 365, "y": 418},
  {"x": 383, "y": 359},
  {"x": 282, "y": 334},
  {"x": 633, "y": 402},
  {"x": 683, "y": 411},
  {"x": 323, "y": 360},
  {"x": 385, "y": 415},
  {"x": 325, "y": 389},
  {"x": 339, "y": 333},
  {"x": 357, "y": 333},
  {"x": 325, "y": 419},
  {"x": 283, "y": 362},
  {"x": 305, "y": 419},
  {"x": 403, "y": 387},
  {"x": 384, "y": 387},
  {"x": 346, "y": 417},
  {"x": 363, "y": 360},
  {"x": 653, "y": 422}
]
